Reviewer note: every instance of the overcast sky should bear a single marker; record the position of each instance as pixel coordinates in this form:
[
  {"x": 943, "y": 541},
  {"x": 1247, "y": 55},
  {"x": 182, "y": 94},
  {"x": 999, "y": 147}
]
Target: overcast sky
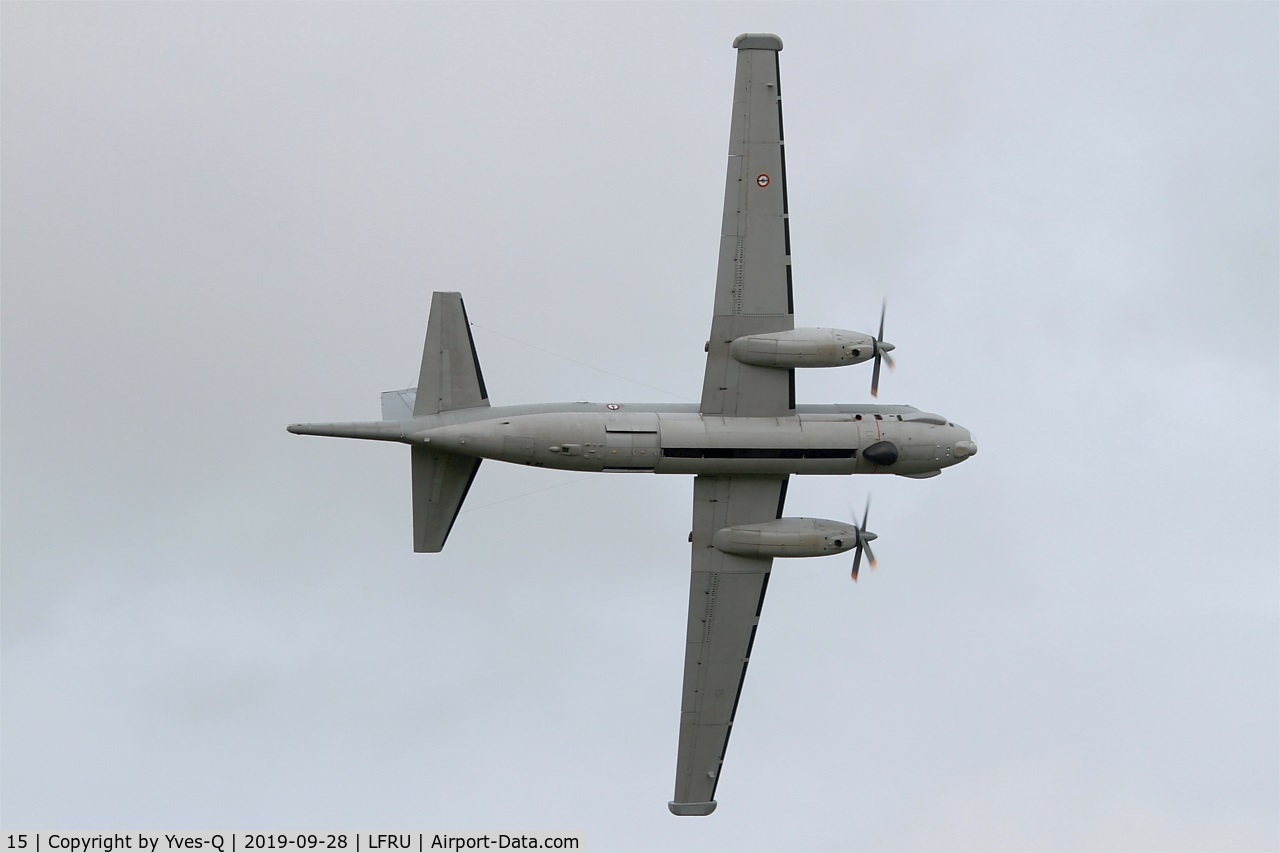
[{"x": 219, "y": 219}]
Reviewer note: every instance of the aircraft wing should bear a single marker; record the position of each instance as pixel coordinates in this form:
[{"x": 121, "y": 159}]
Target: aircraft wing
[
  {"x": 753, "y": 280},
  {"x": 726, "y": 594}
]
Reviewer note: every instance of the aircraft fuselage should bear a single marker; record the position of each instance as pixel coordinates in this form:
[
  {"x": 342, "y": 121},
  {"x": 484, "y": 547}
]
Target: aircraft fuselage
[{"x": 836, "y": 439}]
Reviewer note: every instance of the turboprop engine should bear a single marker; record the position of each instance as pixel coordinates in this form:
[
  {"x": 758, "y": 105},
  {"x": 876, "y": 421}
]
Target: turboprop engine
[
  {"x": 806, "y": 348},
  {"x": 815, "y": 348},
  {"x": 789, "y": 537}
]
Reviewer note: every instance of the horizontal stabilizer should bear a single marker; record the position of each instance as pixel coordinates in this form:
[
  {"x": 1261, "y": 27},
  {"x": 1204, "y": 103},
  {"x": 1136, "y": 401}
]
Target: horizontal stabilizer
[
  {"x": 450, "y": 377},
  {"x": 440, "y": 485}
]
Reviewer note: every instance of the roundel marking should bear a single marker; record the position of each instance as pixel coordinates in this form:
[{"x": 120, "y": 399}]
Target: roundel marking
[
  {"x": 613, "y": 407},
  {"x": 762, "y": 180}
]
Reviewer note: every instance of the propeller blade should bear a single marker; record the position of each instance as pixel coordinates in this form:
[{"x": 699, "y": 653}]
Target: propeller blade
[
  {"x": 888, "y": 359},
  {"x": 864, "y": 537},
  {"x": 881, "y": 353}
]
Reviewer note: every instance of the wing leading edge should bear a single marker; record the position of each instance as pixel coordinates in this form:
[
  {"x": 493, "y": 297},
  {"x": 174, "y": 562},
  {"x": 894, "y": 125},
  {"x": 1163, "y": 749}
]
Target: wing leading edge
[
  {"x": 726, "y": 596},
  {"x": 753, "y": 279}
]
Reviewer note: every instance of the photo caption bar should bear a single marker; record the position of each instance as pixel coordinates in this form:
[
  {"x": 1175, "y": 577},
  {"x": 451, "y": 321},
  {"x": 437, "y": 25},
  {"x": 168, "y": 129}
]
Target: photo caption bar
[{"x": 252, "y": 842}]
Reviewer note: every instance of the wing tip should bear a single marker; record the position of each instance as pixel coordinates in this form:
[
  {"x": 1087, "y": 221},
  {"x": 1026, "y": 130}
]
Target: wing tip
[
  {"x": 757, "y": 41},
  {"x": 692, "y": 809}
]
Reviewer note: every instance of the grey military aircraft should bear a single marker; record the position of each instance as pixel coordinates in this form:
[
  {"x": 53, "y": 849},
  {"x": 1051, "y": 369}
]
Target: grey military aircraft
[{"x": 741, "y": 442}]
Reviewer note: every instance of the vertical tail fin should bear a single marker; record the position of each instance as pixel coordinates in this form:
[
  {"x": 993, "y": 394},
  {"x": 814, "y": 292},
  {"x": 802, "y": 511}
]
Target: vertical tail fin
[{"x": 450, "y": 377}]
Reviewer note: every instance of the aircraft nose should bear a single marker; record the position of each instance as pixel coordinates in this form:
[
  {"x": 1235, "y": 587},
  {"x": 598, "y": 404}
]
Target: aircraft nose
[{"x": 966, "y": 448}]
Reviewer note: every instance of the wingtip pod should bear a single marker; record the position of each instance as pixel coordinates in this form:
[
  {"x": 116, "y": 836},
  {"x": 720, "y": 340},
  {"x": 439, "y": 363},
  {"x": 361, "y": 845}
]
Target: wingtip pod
[
  {"x": 757, "y": 41},
  {"x": 692, "y": 809}
]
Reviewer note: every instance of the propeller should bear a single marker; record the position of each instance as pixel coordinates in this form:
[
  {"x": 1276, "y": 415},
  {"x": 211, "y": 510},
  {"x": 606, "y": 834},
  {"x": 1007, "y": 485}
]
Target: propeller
[
  {"x": 882, "y": 350},
  {"x": 865, "y": 538}
]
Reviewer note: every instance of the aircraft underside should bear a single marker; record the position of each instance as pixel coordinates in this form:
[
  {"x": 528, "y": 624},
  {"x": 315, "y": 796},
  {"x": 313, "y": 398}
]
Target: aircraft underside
[{"x": 741, "y": 441}]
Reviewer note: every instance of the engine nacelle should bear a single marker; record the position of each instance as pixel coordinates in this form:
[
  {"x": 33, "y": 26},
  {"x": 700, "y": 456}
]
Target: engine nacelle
[
  {"x": 787, "y": 537},
  {"x": 804, "y": 348}
]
